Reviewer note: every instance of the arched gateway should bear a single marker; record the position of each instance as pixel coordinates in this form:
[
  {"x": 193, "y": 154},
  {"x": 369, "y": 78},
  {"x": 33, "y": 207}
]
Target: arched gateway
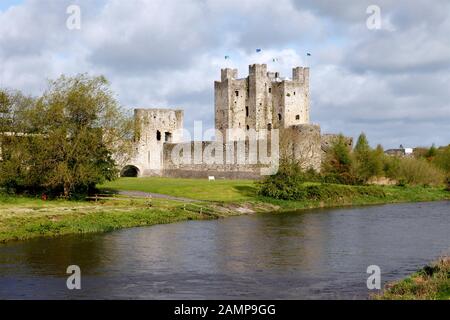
[{"x": 130, "y": 171}]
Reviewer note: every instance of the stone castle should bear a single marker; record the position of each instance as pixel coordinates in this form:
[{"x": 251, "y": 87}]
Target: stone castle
[{"x": 261, "y": 102}]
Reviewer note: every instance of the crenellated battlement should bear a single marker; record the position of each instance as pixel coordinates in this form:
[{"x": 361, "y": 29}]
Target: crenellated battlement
[
  {"x": 257, "y": 70},
  {"x": 228, "y": 73},
  {"x": 301, "y": 74},
  {"x": 262, "y": 100}
]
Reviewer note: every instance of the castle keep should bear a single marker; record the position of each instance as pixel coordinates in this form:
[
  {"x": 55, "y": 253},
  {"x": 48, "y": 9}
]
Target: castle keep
[
  {"x": 254, "y": 105},
  {"x": 260, "y": 101}
]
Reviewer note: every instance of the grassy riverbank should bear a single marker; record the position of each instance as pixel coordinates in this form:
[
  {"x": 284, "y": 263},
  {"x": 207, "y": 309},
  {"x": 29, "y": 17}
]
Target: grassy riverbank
[
  {"x": 430, "y": 283},
  {"x": 245, "y": 192},
  {"x": 23, "y": 217}
]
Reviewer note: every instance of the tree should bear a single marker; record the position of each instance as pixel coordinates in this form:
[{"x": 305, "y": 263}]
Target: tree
[
  {"x": 362, "y": 153},
  {"x": 15, "y": 143},
  {"x": 377, "y": 160},
  {"x": 4, "y": 110},
  {"x": 68, "y": 137},
  {"x": 362, "y": 145},
  {"x": 431, "y": 153},
  {"x": 338, "y": 165},
  {"x": 368, "y": 162}
]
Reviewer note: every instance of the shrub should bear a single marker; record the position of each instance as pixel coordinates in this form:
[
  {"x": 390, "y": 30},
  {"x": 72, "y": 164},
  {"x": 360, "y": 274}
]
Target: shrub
[
  {"x": 312, "y": 175},
  {"x": 418, "y": 172},
  {"x": 284, "y": 184},
  {"x": 442, "y": 159},
  {"x": 338, "y": 166},
  {"x": 348, "y": 178},
  {"x": 328, "y": 192},
  {"x": 391, "y": 166},
  {"x": 319, "y": 192}
]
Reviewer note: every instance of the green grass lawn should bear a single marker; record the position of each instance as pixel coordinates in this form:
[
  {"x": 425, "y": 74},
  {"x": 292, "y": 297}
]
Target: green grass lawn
[
  {"x": 246, "y": 190},
  {"x": 25, "y": 217},
  {"x": 199, "y": 189}
]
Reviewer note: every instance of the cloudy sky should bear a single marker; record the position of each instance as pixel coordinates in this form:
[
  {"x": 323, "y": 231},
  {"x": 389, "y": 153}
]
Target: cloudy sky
[{"x": 393, "y": 83}]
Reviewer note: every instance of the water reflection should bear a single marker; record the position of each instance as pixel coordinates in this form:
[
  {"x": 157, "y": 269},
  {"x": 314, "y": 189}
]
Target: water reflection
[
  {"x": 45, "y": 257},
  {"x": 308, "y": 254}
]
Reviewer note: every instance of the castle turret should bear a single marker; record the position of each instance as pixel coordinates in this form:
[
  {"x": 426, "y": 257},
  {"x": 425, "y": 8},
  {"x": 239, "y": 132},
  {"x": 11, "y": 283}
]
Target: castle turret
[
  {"x": 260, "y": 101},
  {"x": 228, "y": 73},
  {"x": 301, "y": 74},
  {"x": 154, "y": 128},
  {"x": 257, "y": 99}
]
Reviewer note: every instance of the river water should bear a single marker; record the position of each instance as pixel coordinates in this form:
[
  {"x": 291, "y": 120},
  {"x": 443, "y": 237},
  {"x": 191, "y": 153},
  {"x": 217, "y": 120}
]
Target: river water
[{"x": 315, "y": 254}]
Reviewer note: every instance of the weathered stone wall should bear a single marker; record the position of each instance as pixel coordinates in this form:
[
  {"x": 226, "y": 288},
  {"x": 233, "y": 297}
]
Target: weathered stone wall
[
  {"x": 257, "y": 100},
  {"x": 303, "y": 143},
  {"x": 200, "y": 159},
  {"x": 209, "y": 158},
  {"x": 237, "y": 114},
  {"x": 296, "y": 98},
  {"x": 154, "y": 128},
  {"x": 222, "y": 98},
  {"x": 277, "y": 104},
  {"x": 260, "y": 101}
]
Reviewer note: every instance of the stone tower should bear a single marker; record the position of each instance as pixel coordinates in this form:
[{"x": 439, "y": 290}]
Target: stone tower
[
  {"x": 154, "y": 128},
  {"x": 262, "y": 100}
]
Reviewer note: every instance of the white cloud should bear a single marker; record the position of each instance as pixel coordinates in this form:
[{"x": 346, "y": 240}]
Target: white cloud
[{"x": 391, "y": 83}]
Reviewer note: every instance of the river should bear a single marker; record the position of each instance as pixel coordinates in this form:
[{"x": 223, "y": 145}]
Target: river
[{"x": 313, "y": 254}]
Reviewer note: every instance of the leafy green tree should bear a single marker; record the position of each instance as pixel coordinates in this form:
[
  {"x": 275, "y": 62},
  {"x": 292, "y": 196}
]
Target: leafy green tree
[
  {"x": 431, "y": 153},
  {"x": 368, "y": 162},
  {"x": 377, "y": 160},
  {"x": 82, "y": 122},
  {"x": 64, "y": 141},
  {"x": 362, "y": 153},
  {"x": 338, "y": 165},
  {"x": 4, "y": 110},
  {"x": 362, "y": 145},
  {"x": 15, "y": 143}
]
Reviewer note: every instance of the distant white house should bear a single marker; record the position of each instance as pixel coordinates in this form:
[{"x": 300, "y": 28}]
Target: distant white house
[
  {"x": 408, "y": 151},
  {"x": 402, "y": 151}
]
